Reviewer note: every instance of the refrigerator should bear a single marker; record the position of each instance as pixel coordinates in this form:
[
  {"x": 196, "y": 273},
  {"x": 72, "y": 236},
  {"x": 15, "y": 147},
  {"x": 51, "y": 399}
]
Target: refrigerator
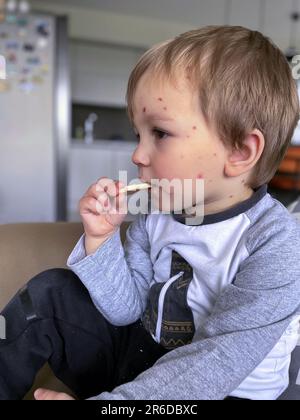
[{"x": 34, "y": 118}]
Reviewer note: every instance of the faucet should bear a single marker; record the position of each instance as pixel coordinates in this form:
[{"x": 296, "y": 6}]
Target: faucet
[{"x": 89, "y": 128}]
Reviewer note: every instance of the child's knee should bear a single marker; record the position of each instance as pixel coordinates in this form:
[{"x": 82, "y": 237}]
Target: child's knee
[
  {"x": 53, "y": 278},
  {"x": 44, "y": 291}
]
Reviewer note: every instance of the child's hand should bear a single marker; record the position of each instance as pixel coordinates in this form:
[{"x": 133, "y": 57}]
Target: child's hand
[{"x": 103, "y": 209}]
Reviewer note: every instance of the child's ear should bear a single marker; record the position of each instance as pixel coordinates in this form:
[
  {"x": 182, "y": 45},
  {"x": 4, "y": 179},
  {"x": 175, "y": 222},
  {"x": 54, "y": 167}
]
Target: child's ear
[{"x": 242, "y": 160}]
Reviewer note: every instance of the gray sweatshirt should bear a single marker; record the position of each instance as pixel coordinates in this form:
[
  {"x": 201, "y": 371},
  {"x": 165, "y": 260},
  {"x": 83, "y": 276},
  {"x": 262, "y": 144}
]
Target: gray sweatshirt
[{"x": 223, "y": 296}]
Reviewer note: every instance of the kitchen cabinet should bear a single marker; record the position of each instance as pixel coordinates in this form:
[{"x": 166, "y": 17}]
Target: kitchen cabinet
[
  {"x": 100, "y": 72},
  {"x": 278, "y": 21},
  {"x": 245, "y": 13},
  {"x": 88, "y": 163},
  {"x": 271, "y": 17}
]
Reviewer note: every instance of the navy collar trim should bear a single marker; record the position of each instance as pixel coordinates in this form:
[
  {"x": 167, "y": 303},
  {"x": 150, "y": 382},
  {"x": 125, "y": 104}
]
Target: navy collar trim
[{"x": 228, "y": 214}]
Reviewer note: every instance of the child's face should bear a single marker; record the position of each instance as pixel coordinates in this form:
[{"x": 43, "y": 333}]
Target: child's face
[{"x": 174, "y": 140}]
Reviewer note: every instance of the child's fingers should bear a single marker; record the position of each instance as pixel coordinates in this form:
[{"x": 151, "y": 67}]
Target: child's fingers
[
  {"x": 100, "y": 186},
  {"x": 114, "y": 190},
  {"x": 107, "y": 185},
  {"x": 120, "y": 205},
  {"x": 103, "y": 203},
  {"x": 89, "y": 205}
]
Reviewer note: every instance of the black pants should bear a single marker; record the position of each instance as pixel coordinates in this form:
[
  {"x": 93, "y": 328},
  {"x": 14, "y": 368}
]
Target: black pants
[{"x": 53, "y": 319}]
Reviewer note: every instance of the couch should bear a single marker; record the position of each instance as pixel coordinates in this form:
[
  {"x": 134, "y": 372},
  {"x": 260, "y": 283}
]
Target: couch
[{"x": 28, "y": 249}]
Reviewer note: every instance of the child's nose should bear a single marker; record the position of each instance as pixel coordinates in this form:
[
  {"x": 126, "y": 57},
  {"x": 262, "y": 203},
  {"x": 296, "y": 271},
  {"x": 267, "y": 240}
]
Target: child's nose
[{"x": 141, "y": 156}]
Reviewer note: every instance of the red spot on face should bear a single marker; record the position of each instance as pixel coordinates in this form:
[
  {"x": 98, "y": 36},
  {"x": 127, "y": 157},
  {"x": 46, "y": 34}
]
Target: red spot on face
[
  {"x": 215, "y": 154},
  {"x": 181, "y": 156},
  {"x": 200, "y": 176},
  {"x": 231, "y": 196},
  {"x": 144, "y": 109},
  {"x": 187, "y": 137},
  {"x": 160, "y": 99},
  {"x": 165, "y": 108},
  {"x": 194, "y": 128}
]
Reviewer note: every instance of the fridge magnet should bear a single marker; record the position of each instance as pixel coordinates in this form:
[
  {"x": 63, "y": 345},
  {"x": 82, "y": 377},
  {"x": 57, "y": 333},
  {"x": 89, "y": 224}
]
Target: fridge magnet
[
  {"x": 12, "y": 45},
  {"x": 33, "y": 61},
  {"x": 4, "y": 86},
  {"x": 3, "y": 35},
  {"x": 25, "y": 71},
  {"x": 24, "y": 7},
  {"x": 22, "y": 22},
  {"x": 45, "y": 69},
  {"x": 26, "y": 86},
  {"x": 42, "y": 43},
  {"x": 22, "y": 33},
  {"x": 12, "y": 19},
  {"x": 43, "y": 29},
  {"x": 11, "y": 70},
  {"x": 11, "y": 6},
  {"x": 29, "y": 47},
  {"x": 2, "y": 67},
  {"x": 12, "y": 58},
  {"x": 37, "y": 80}
]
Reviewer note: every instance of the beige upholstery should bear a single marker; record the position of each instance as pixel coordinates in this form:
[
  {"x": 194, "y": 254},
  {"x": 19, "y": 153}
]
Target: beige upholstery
[{"x": 28, "y": 249}]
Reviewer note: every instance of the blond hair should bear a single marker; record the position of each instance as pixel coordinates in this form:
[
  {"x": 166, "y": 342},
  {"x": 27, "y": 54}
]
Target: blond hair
[{"x": 244, "y": 83}]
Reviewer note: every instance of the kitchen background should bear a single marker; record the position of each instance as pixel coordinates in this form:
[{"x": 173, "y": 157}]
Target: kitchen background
[{"x": 64, "y": 66}]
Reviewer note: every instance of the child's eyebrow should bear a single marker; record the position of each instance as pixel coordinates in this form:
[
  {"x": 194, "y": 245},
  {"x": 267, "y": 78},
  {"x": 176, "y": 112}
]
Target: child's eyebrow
[
  {"x": 153, "y": 117},
  {"x": 158, "y": 117}
]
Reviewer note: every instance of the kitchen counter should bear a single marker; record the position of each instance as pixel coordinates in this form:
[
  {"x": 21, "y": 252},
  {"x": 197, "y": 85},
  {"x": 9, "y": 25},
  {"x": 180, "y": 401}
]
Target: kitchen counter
[{"x": 103, "y": 143}]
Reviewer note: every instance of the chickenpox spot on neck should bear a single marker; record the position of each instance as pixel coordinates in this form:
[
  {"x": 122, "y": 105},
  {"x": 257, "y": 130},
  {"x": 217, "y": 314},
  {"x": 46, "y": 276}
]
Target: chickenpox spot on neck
[
  {"x": 165, "y": 108},
  {"x": 200, "y": 176},
  {"x": 231, "y": 196},
  {"x": 144, "y": 109},
  {"x": 160, "y": 99},
  {"x": 215, "y": 154}
]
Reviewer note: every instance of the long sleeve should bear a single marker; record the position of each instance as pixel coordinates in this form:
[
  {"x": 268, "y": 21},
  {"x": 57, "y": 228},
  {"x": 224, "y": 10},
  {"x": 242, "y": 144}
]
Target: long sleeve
[
  {"x": 247, "y": 321},
  {"x": 117, "y": 278}
]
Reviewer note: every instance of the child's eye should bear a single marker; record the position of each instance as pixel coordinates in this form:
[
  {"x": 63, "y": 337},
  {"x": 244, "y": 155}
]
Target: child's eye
[{"x": 160, "y": 134}]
